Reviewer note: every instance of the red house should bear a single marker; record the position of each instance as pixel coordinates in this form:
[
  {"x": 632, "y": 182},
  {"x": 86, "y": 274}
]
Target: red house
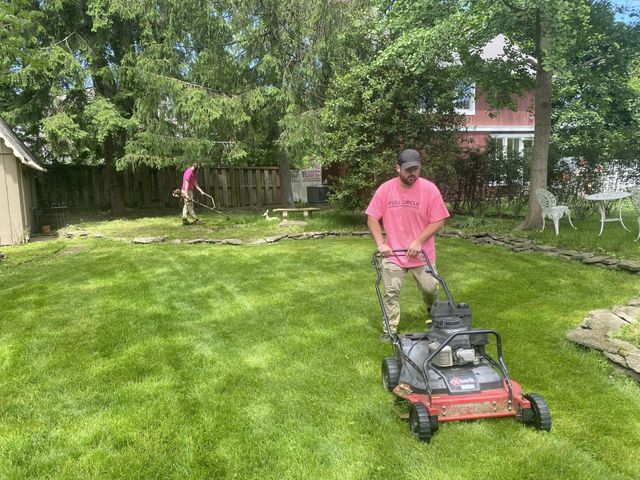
[{"x": 512, "y": 129}]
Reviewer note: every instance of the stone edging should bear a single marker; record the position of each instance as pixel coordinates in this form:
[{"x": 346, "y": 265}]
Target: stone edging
[
  {"x": 598, "y": 328},
  {"x": 257, "y": 241},
  {"x": 526, "y": 245},
  {"x": 512, "y": 243}
]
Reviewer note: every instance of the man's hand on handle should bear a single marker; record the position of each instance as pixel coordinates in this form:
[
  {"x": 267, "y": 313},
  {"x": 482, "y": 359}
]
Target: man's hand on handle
[
  {"x": 415, "y": 248},
  {"x": 385, "y": 250}
]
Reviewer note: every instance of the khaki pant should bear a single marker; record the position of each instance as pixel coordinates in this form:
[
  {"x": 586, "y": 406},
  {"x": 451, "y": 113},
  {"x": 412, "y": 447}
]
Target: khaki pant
[
  {"x": 188, "y": 207},
  {"x": 392, "y": 278}
]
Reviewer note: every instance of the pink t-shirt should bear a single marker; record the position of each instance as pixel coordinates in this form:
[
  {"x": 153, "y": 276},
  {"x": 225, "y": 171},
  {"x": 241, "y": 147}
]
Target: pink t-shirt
[
  {"x": 190, "y": 178},
  {"x": 405, "y": 213}
]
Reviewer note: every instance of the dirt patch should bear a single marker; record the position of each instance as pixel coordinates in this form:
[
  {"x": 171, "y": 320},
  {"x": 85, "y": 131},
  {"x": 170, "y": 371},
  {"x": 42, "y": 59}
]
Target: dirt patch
[{"x": 71, "y": 250}]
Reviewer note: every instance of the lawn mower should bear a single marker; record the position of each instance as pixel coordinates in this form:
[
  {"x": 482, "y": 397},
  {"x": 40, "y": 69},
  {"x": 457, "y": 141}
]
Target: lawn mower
[
  {"x": 445, "y": 374},
  {"x": 177, "y": 193}
]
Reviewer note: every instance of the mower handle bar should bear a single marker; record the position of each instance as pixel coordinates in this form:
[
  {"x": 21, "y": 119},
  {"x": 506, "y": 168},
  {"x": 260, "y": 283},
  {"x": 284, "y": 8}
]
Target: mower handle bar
[
  {"x": 375, "y": 259},
  {"x": 212, "y": 200},
  {"x": 428, "y": 267},
  {"x": 500, "y": 363}
]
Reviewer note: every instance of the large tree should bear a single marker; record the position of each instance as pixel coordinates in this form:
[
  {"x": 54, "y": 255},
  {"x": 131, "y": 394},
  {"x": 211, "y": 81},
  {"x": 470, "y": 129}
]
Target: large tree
[
  {"x": 167, "y": 82},
  {"x": 288, "y": 51},
  {"x": 91, "y": 81},
  {"x": 545, "y": 40},
  {"x": 595, "y": 114},
  {"x": 383, "y": 102}
]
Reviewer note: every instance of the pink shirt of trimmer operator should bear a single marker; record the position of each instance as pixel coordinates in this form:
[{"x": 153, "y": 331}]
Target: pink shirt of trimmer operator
[
  {"x": 191, "y": 178},
  {"x": 405, "y": 213}
]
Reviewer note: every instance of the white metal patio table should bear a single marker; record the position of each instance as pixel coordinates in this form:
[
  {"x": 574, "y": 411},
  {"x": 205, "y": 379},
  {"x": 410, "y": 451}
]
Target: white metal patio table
[{"x": 602, "y": 199}]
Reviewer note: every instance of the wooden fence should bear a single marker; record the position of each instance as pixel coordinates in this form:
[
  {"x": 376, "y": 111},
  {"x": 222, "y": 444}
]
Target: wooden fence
[{"x": 88, "y": 187}]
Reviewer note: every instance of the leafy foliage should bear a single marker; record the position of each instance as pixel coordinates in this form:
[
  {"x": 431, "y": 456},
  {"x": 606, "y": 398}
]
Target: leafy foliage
[
  {"x": 596, "y": 116},
  {"x": 381, "y": 106},
  {"x": 547, "y": 37},
  {"x": 164, "y": 82},
  {"x": 494, "y": 179}
]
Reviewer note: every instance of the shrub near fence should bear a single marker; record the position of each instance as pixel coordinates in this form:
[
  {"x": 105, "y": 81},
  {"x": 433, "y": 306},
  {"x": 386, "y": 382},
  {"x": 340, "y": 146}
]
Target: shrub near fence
[
  {"x": 495, "y": 180},
  {"x": 88, "y": 188}
]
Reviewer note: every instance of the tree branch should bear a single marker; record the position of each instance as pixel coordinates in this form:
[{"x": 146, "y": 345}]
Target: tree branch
[
  {"x": 593, "y": 60},
  {"x": 512, "y": 7}
]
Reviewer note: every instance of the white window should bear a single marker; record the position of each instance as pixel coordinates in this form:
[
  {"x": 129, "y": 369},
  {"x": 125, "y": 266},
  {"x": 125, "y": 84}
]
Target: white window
[
  {"x": 511, "y": 159},
  {"x": 509, "y": 145},
  {"x": 465, "y": 103}
]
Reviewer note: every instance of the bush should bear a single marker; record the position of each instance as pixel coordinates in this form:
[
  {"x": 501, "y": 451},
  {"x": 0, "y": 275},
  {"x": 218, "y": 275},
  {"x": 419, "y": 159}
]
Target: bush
[{"x": 375, "y": 111}]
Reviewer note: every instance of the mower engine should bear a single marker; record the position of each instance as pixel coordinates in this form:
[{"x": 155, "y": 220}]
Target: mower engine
[
  {"x": 448, "y": 319},
  {"x": 462, "y": 360}
]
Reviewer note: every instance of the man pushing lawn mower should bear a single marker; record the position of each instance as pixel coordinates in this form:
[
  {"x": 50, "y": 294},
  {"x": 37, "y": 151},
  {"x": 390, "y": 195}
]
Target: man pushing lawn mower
[
  {"x": 444, "y": 374},
  {"x": 412, "y": 212}
]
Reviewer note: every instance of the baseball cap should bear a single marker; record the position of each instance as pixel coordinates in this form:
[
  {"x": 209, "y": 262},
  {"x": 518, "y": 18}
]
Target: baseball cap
[{"x": 409, "y": 158}]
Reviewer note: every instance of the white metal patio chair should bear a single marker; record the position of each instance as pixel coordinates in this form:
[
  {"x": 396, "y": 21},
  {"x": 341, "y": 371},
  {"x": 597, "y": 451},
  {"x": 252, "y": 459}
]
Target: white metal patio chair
[
  {"x": 551, "y": 210},
  {"x": 635, "y": 199}
]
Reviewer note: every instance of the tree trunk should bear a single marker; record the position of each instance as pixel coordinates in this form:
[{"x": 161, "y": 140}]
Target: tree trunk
[
  {"x": 114, "y": 179},
  {"x": 542, "y": 134},
  {"x": 285, "y": 179}
]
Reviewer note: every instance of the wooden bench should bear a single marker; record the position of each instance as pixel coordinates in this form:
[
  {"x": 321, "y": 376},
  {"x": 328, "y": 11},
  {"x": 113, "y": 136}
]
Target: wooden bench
[{"x": 306, "y": 211}]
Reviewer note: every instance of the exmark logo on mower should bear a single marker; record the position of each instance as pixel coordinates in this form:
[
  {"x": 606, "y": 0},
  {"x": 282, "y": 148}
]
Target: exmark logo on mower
[{"x": 464, "y": 383}]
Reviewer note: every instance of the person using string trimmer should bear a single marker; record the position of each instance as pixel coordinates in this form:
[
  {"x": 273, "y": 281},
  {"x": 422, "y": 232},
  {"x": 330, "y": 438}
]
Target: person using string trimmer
[
  {"x": 412, "y": 211},
  {"x": 189, "y": 185}
]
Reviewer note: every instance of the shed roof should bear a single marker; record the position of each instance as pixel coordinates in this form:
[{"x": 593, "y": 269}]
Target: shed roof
[{"x": 18, "y": 148}]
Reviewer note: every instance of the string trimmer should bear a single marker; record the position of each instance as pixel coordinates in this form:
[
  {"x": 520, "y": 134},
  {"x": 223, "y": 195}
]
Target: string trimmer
[{"x": 177, "y": 193}]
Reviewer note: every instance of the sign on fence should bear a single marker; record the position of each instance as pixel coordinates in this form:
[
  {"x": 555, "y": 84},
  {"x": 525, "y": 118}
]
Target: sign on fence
[{"x": 301, "y": 179}]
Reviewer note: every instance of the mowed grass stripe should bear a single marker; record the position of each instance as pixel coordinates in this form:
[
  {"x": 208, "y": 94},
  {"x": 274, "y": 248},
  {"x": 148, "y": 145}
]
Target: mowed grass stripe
[{"x": 169, "y": 361}]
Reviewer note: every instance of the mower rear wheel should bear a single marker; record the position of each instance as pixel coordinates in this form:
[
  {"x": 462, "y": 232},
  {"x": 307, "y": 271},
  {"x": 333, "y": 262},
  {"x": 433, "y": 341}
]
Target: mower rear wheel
[
  {"x": 541, "y": 418},
  {"x": 390, "y": 373},
  {"x": 419, "y": 422},
  {"x": 435, "y": 424}
]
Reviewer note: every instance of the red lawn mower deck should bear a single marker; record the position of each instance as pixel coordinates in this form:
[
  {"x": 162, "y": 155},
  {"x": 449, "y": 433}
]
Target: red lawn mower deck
[{"x": 445, "y": 374}]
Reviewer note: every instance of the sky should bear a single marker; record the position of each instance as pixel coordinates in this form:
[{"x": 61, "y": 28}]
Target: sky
[{"x": 627, "y": 4}]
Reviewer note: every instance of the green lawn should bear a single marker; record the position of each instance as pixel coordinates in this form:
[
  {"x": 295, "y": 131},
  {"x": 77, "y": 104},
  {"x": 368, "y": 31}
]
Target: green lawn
[
  {"x": 242, "y": 224},
  {"x": 201, "y": 362}
]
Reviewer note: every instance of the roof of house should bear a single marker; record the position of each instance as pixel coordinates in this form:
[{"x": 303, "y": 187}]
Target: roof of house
[
  {"x": 18, "y": 148},
  {"x": 496, "y": 49}
]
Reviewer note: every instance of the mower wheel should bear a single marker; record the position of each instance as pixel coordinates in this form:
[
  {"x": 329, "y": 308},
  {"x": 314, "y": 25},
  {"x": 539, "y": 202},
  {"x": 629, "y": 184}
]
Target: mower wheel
[
  {"x": 434, "y": 423},
  {"x": 390, "y": 373},
  {"x": 541, "y": 416},
  {"x": 419, "y": 422}
]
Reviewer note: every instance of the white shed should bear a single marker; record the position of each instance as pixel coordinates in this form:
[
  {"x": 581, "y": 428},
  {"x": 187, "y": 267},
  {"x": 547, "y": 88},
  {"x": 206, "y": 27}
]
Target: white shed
[{"x": 17, "y": 187}]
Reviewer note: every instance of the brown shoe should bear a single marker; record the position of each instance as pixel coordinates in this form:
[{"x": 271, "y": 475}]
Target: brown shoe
[{"x": 185, "y": 222}]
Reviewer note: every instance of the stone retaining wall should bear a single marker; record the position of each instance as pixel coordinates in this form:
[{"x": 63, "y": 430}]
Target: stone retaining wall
[
  {"x": 526, "y": 245},
  {"x": 256, "y": 241},
  {"x": 598, "y": 331}
]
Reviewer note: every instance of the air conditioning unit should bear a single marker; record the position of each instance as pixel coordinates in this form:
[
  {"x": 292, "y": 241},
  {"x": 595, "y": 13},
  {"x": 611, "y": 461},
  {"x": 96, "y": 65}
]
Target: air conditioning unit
[{"x": 317, "y": 194}]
